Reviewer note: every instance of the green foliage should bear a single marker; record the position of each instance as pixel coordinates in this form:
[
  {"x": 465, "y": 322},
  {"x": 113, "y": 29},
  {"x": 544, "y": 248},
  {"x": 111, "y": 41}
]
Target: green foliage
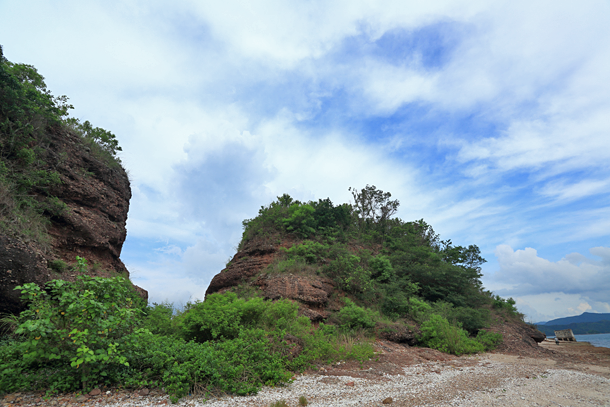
[
  {"x": 300, "y": 220},
  {"x": 489, "y": 340},
  {"x": 309, "y": 250},
  {"x": 506, "y": 305},
  {"x": 438, "y": 333},
  {"x": 287, "y": 216},
  {"x": 381, "y": 268},
  {"x": 352, "y": 316},
  {"x": 82, "y": 328},
  {"x": 102, "y": 142},
  {"x": 158, "y": 319},
  {"x": 419, "y": 310},
  {"x": 395, "y": 301},
  {"x": 348, "y": 271},
  {"x": 224, "y": 316},
  {"x": 471, "y": 319},
  {"x": 302, "y": 401},
  {"x": 373, "y": 208},
  {"x": 237, "y": 366},
  {"x": 279, "y": 403}
]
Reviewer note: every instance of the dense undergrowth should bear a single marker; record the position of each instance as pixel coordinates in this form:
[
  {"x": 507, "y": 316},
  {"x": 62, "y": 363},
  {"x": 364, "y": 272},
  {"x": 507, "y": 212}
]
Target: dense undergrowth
[
  {"x": 96, "y": 332},
  {"x": 29, "y": 114}
]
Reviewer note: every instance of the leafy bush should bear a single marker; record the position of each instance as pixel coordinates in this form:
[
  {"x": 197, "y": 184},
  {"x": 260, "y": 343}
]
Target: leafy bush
[
  {"x": 419, "y": 310},
  {"x": 381, "y": 268},
  {"x": 158, "y": 319},
  {"x": 309, "y": 250},
  {"x": 352, "y": 316},
  {"x": 490, "y": 340},
  {"x": 471, "y": 319},
  {"x": 350, "y": 275},
  {"x": 507, "y": 306},
  {"x": 438, "y": 333},
  {"x": 237, "y": 366},
  {"x": 396, "y": 301},
  {"x": 83, "y": 328},
  {"x": 300, "y": 220}
]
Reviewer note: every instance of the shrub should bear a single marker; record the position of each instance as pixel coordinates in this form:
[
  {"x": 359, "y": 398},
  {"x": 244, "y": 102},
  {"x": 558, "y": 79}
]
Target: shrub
[
  {"x": 300, "y": 220},
  {"x": 419, "y": 309},
  {"x": 352, "y": 316},
  {"x": 309, "y": 250},
  {"x": 81, "y": 328},
  {"x": 438, "y": 333},
  {"x": 158, "y": 319},
  {"x": 489, "y": 340},
  {"x": 237, "y": 366},
  {"x": 349, "y": 274},
  {"x": 471, "y": 319},
  {"x": 381, "y": 268},
  {"x": 507, "y": 306}
]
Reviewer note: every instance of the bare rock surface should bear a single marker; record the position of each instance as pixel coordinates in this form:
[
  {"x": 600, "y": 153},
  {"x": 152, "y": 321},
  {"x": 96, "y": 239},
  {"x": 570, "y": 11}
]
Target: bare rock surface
[
  {"x": 93, "y": 225},
  {"x": 311, "y": 291}
]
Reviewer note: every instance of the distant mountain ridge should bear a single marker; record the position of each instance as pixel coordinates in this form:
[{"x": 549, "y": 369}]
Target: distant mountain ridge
[
  {"x": 584, "y": 317},
  {"x": 582, "y": 328},
  {"x": 586, "y": 323}
]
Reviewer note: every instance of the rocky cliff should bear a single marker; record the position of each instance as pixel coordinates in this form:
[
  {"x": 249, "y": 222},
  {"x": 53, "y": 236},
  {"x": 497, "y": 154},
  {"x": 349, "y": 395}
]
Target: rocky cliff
[
  {"x": 247, "y": 268},
  {"x": 93, "y": 201}
]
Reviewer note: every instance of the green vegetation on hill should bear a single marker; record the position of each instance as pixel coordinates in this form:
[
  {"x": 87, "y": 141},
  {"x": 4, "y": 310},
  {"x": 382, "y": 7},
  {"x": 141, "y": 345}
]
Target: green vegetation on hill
[
  {"x": 384, "y": 263},
  {"x": 29, "y": 114}
]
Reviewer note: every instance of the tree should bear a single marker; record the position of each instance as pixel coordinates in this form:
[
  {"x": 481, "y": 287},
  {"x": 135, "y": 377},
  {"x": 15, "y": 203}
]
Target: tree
[{"x": 373, "y": 207}]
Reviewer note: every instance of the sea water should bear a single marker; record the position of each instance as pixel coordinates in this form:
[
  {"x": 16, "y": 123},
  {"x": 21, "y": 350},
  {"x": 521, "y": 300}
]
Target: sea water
[{"x": 602, "y": 340}]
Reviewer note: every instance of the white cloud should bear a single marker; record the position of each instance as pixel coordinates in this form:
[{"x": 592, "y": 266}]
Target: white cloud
[
  {"x": 232, "y": 97},
  {"x": 579, "y": 282},
  {"x": 548, "y": 306}
]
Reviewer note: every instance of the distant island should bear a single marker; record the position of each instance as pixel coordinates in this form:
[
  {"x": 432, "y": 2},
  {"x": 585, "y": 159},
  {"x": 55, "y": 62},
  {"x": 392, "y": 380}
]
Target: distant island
[{"x": 586, "y": 323}]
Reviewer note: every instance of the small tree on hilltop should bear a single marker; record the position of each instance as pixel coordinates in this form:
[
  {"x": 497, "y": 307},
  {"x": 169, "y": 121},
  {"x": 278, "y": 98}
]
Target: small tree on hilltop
[{"x": 373, "y": 207}]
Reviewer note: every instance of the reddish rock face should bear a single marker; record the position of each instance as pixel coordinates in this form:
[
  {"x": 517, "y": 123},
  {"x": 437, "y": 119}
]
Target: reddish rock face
[
  {"x": 307, "y": 290},
  {"x": 246, "y": 267},
  {"x": 93, "y": 227}
]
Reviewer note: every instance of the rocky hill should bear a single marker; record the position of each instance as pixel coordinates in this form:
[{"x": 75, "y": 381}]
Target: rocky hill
[
  {"x": 62, "y": 192},
  {"x": 323, "y": 256}
]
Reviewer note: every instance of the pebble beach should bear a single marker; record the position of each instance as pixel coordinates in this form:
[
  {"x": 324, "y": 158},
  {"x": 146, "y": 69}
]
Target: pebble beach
[{"x": 483, "y": 380}]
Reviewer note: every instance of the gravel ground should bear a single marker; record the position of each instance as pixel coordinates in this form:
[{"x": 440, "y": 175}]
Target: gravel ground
[{"x": 490, "y": 380}]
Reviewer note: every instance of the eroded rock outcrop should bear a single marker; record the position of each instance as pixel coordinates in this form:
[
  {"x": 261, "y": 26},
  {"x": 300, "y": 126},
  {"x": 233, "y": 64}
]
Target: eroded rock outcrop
[
  {"x": 247, "y": 266},
  {"x": 91, "y": 225}
]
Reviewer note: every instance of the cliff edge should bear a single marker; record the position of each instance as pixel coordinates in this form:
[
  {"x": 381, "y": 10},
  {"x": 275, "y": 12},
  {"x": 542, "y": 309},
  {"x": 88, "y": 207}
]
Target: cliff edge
[{"x": 63, "y": 191}]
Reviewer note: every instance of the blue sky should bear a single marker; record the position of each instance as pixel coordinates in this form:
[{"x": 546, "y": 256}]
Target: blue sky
[{"x": 490, "y": 120}]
